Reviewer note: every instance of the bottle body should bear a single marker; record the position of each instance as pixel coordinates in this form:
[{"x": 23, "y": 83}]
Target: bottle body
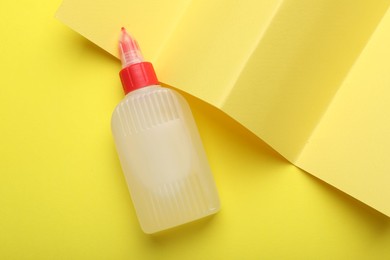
[{"x": 163, "y": 159}]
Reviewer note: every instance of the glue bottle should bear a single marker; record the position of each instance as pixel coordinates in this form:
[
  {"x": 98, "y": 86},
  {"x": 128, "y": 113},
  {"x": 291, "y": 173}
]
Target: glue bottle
[{"x": 159, "y": 148}]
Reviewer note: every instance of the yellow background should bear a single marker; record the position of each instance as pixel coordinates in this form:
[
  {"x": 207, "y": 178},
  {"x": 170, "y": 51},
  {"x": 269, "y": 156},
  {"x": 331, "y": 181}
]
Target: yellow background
[{"x": 63, "y": 196}]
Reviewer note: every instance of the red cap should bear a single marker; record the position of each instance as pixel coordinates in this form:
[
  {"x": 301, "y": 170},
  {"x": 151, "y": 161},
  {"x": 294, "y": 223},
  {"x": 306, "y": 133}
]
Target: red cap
[{"x": 138, "y": 75}]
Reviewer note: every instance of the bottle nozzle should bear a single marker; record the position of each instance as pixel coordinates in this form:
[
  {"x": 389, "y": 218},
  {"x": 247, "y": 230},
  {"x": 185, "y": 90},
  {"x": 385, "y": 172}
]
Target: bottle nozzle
[
  {"x": 135, "y": 73},
  {"x": 129, "y": 50}
]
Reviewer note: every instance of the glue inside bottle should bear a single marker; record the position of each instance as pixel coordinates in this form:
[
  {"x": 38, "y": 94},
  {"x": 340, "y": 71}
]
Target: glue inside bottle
[{"x": 159, "y": 148}]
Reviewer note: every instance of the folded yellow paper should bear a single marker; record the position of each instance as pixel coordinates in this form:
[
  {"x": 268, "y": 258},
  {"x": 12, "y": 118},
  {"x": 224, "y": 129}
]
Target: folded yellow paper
[
  {"x": 288, "y": 70},
  {"x": 350, "y": 147}
]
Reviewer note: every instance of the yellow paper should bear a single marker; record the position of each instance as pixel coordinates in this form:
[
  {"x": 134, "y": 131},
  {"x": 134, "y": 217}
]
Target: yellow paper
[
  {"x": 274, "y": 66},
  {"x": 350, "y": 147}
]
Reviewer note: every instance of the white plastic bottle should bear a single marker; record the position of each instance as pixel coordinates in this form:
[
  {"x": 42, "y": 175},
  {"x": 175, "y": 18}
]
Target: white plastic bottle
[{"x": 159, "y": 148}]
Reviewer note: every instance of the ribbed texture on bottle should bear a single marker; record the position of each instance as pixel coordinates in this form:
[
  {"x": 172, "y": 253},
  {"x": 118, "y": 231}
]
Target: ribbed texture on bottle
[
  {"x": 146, "y": 111},
  {"x": 177, "y": 202}
]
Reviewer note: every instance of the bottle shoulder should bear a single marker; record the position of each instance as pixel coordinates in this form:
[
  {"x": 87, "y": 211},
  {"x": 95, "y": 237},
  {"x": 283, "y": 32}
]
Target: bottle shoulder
[
  {"x": 153, "y": 93},
  {"x": 149, "y": 107},
  {"x": 149, "y": 90},
  {"x": 144, "y": 90}
]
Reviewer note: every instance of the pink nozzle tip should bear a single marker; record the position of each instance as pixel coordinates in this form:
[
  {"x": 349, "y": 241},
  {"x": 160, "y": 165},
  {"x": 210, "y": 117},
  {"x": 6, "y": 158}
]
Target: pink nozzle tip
[{"x": 129, "y": 50}]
